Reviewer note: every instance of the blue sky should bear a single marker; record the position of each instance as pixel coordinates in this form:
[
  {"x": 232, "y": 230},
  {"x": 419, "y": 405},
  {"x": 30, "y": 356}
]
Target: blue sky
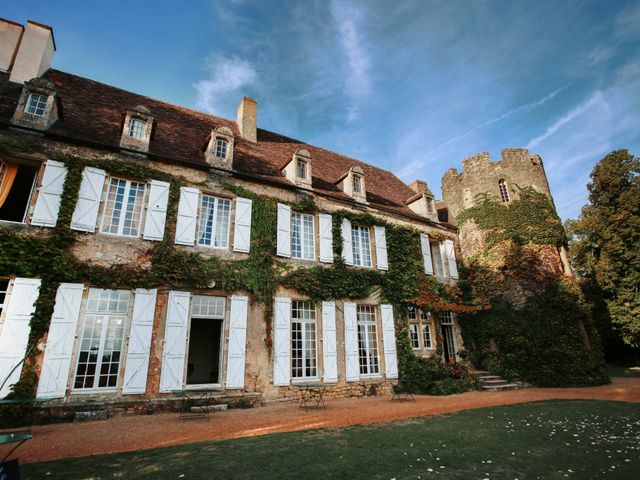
[{"x": 413, "y": 86}]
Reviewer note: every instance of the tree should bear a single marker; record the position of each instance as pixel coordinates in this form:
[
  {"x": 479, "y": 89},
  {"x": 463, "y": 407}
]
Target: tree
[{"x": 605, "y": 244}]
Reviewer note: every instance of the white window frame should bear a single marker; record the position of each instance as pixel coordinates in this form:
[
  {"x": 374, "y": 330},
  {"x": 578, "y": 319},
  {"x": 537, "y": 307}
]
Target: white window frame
[
  {"x": 214, "y": 226},
  {"x": 103, "y": 339},
  {"x": 137, "y": 128},
  {"x": 295, "y": 306},
  {"x": 221, "y": 148},
  {"x": 207, "y": 316},
  {"x": 367, "y": 327},
  {"x": 305, "y": 248},
  {"x": 123, "y": 209},
  {"x": 360, "y": 253},
  {"x": 36, "y": 102}
]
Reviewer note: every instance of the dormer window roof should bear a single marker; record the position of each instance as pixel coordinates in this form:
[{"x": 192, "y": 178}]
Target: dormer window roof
[
  {"x": 423, "y": 202},
  {"x": 36, "y": 104},
  {"x": 298, "y": 170}
]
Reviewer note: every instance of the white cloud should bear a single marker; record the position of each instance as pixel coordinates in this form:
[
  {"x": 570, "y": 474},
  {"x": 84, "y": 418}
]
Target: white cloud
[{"x": 228, "y": 75}]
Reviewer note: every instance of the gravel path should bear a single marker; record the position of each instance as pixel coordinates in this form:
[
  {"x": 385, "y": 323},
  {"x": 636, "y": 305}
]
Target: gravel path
[{"x": 130, "y": 433}]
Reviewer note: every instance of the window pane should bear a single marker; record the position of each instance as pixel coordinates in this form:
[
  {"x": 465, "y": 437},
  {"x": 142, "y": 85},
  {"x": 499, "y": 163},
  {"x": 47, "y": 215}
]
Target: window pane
[
  {"x": 206, "y": 306},
  {"x": 137, "y": 128},
  {"x": 415, "y": 341},
  {"x": 426, "y": 336},
  {"x": 36, "y": 104}
]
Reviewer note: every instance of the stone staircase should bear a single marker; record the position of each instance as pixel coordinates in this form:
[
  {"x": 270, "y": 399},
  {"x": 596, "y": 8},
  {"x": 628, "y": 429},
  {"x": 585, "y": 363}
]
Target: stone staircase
[{"x": 493, "y": 383}]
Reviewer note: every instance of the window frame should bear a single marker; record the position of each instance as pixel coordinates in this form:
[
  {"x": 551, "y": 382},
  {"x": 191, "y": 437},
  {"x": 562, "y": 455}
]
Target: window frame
[
  {"x": 427, "y": 326},
  {"x": 414, "y": 336},
  {"x": 123, "y": 210},
  {"x": 304, "y": 230},
  {"x": 217, "y": 148},
  {"x": 214, "y": 225},
  {"x": 304, "y": 341},
  {"x": 368, "y": 341},
  {"x": 358, "y": 248},
  {"x": 39, "y": 104}
]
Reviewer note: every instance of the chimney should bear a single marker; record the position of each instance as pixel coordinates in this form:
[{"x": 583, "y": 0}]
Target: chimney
[
  {"x": 418, "y": 186},
  {"x": 10, "y": 35},
  {"x": 246, "y": 119},
  {"x": 34, "y": 53}
]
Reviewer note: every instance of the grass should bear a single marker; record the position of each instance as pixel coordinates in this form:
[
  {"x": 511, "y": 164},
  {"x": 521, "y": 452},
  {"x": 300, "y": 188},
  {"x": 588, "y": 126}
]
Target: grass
[
  {"x": 620, "y": 371},
  {"x": 555, "y": 439}
]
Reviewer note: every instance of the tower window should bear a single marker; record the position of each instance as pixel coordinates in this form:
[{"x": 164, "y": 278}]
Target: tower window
[
  {"x": 36, "y": 104},
  {"x": 504, "y": 191}
]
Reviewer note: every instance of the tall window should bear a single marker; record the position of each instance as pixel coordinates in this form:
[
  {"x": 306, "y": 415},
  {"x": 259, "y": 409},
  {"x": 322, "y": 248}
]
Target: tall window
[
  {"x": 367, "y": 340},
  {"x": 213, "y": 227},
  {"x": 36, "y": 104},
  {"x": 137, "y": 128},
  {"x": 436, "y": 255},
  {"x": 504, "y": 191},
  {"x": 301, "y": 169},
  {"x": 426, "y": 336},
  {"x": 123, "y": 208},
  {"x": 361, "y": 246},
  {"x": 415, "y": 338},
  {"x": 302, "y": 245},
  {"x": 419, "y": 327},
  {"x": 101, "y": 339},
  {"x": 303, "y": 340},
  {"x": 221, "y": 148},
  {"x": 357, "y": 184}
]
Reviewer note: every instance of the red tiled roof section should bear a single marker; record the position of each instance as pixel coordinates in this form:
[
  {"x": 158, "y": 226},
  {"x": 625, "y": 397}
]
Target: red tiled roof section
[{"x": 94, "y": 111}]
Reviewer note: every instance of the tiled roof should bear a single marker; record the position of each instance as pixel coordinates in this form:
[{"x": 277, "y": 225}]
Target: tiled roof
[{"x": 95, "y": 112}]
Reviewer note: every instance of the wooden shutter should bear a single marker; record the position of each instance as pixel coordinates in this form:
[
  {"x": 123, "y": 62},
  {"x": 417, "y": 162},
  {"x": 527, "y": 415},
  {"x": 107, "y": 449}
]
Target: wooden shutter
[
  {"x": 237, "y": 341},
  {"x": 282, "y": 341},
  {"x": 137, "y": 362},
  {"x": 329, "y": 352},
  {"x": 451, "y": 257},
  {"x": 14, "y": 332},
  {"x": 45, "y": 213},
  {"x": 156, "y": 211},
  {"x": 187, "y": 216},
  {"x": 175, "y": 341},
  {"x": 60, "y": 341},
  {"x": 351, "y": 342},
  {"x": 326, "y": 237},
  {"x": 242, "y": 228},
  {"x": 389, "y": 341},
  {"x": 347, "y": 242},
  {"x": 381, "y": 247},
  {"x": 426, "y": 254},
  {"x": 85, "y": 215},
  {"x": 284, "y": 230}
]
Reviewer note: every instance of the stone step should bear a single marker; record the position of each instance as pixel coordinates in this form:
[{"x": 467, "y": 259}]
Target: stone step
[
  {"x": 492, "y": 381},
  {"x": 488, "y": 377},
  {"x": 480, "y": 373},
  {"x": 502, "y": 387}
]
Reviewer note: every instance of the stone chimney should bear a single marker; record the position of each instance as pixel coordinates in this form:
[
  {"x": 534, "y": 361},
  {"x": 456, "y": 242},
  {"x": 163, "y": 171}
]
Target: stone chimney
[
  {"x": 246, "y": 119},
  {"x": 10, "y": 35},
  {"x": 418, "y": 186},
  {"x": 33, "y": 53}
]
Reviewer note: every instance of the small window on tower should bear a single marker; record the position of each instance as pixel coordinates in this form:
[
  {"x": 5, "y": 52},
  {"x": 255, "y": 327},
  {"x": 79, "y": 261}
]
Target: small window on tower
[
  {"x": 137, "y": 128},
  {"x": 36, "y": 104},
  {"x": 221, "y": 148},
  {"x": 504, "y": 191}
]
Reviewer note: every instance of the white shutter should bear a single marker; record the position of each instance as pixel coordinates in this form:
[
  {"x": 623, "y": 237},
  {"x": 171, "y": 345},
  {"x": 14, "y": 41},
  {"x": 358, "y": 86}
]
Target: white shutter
[
  {"x": 284, "y": 230},
  {"x": 137, "y": 362},
  {"x": 237, "y": 341},
  {"x": 326, "y": 237},
  {"x": 347, "y": 242},
  {"x": 281, "y": 341},
  {"x": 156, "y": 210},
  {"x": 85, "y": 215},
  {"x": 45, "y": 213},
  {"x": 351, "y": 342},
  {"x": 60, "y": 341},
  {"x": 242, "y": 228},
  {"x": 187, "y": 216},
  {"x": 14, "y": 332},
  {"x": 175, "y": 341},
  {"x": 451, "y": 257},
  {"x": 329, "y": 353},
  {"x": 426, "y": 254},
  {"x": 389, "y": 341},
  {"x": 381, "y": 247}
]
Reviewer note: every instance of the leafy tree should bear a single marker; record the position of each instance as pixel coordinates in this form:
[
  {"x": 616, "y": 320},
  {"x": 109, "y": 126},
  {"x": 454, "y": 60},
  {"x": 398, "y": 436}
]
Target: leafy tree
[{"x": 605, "y": 244}]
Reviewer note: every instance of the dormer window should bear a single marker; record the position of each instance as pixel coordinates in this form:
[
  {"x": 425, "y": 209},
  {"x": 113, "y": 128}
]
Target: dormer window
[
  {"x": 298, "y": 170},
  {"x": 221, "y": 148},
  {"x": 137, "y": 128},
  {"x": 353, "y": 184},
  {"x": 36, "y": 104},
  {"x": 136, "y": 131}
]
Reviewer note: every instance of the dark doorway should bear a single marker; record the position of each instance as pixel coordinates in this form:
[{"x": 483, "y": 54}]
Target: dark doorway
[
  {"x": 16, "y": 202},
  {"x": 203, "y": 366},
  {"x": 448, "y": 344}
]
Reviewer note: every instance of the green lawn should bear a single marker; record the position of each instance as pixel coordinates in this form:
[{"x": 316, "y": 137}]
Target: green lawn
[
  {"x": 618, "y": 371},
  {"x": 556, "y": 439}
]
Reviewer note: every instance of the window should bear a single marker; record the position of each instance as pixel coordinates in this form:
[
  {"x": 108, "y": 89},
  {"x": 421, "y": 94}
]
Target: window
[
  {"x": 17, "y": 183},
  {"x": 415, "y": 339},
  {"x": 101, "y": 339},
  {"x": 367, "y": 340},
  {"x": 357, "y": 184},
  {"x": 436, "y": 255},
  {"x": 205, "y": 340},
  {"x": 446, "y": 318},
  {"x": 213, "y": 227},
  {"x": 504, "y": 191},
  {"x": 361, "y": 246},
  {"x": 301, "y": 169},
  {"x": 221, "y": 148},
  {"x": 302, "y": 244},
  {"x": 412, "y": 313},
  {"x": 426, "y": 336},
  {"x": 123, "y": 208},
  {"x": 4, "y": 285},
  {"x": 36, "y": 104},
  {"x": 137, "y": 128},
  {"x": 303, "y": 340}
]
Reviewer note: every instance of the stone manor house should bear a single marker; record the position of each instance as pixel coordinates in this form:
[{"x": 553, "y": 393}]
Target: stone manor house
[{"x": 119, "y": 345}]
